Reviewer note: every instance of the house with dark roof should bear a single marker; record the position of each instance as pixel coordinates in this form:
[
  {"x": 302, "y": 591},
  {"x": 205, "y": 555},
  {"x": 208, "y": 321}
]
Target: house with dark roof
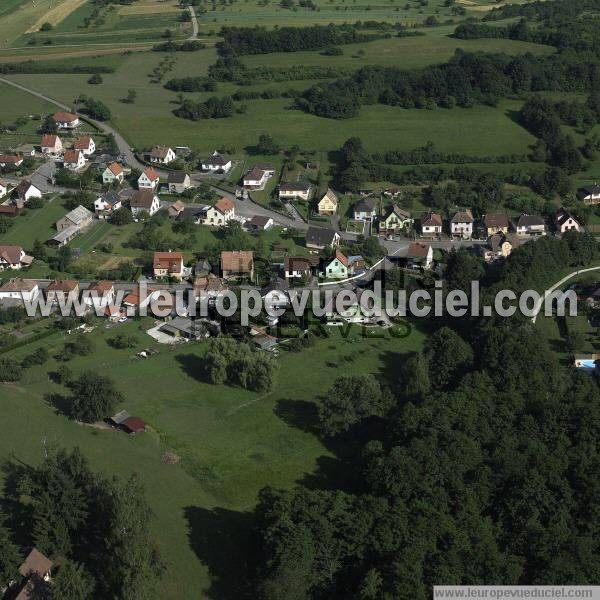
[
  {"x": 26, "y": 190},
  {"x": 296, "y": 267},
  {"x": 294, "y": 189},
  {"x": 144, "y": 201},
  {"x": 394, "y": 220},
  {"x": 495, "y": 223},
  {"x": 419, "y": 255},
  {"x": 178, "y": 182},
  {"x": 259, "y": 223},
  {"x": 319, "y": 238},
  {"x": 162, "y": 155},
  {"x": 461, "y": 224},
  {"x": 531, "y": 225},
  {"x": 431, "y": 225},
  {"x": 217, "y": 163},
  {"x": 590, "y": 194},
  {"x": 13, "y": 257},
  {"x": 106, "y": 204},
  {"x": 257, "y": 177},
  {"x": 565, "y": 221},
  {"x": 364, "y": 210}
]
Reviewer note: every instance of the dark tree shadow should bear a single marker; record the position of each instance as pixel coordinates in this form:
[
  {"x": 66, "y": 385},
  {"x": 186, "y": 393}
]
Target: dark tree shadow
[
  {"x": 19, "y": 514},
  {"x": 192, "y": 365},
  {"x": 227, "y": 543},
  {"x": 59, "y": 402}
]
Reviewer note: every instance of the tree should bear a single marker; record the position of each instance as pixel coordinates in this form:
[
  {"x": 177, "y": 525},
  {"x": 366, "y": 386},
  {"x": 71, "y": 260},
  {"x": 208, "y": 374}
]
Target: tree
[
  {"x": 72, "y": 582},
  {"x": 131, "y": 96},
  {"x": 48, "y": 125},
  {"x": 39, "y": 250},
  {"x": 10, "y": 369},
  {"x": 78, "y": 345},
  {"x": 38, "y": 357},
  {"x": 121, "y": 216},
  {"x": 94, "y": 397},
  {"x": 62, "y": 260},
  {"x": 95, "y": 79},
  {"x": 267, "y": 145},
  {"x": 448, "y": 356},
  {"x": 123, "y": 340},
  {"x": 9, "y": 557},
  {"x": 46, "y": 26}
]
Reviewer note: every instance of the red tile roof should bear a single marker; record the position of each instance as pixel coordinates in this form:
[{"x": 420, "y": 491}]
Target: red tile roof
[
  {"x": 115, "y": 168},
  {"x": 224, "y": 205},
  {"x": 172, "y": 261},
  {"x": 142, "y": 199},
  {"x": 82, "y": 143},
  {"x": 238, "y": 261},
  {"x": 151, "y": 174},
  {"x": 64, "y": 117},
  {"x": 49, "y": 141},
  {"x": 72, "y": 157}
]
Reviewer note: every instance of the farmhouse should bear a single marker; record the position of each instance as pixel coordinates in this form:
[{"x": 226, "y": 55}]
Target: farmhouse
[
  {"x": 328, "y": 204},
  {"x": 13, "y": 257},
  {"x": 237, "y": 263},
  {"x": 85, "y": 144},
  {"x": 419, "y": 255},
  {"x": 295, "y": 189},
  {"x": 394, "y": 220},
  {"x": 19, "y": 289},
  {"x": 217, "y": 163},
  {"x": 531, "y": 225},
  {"x": 179, "y": 182},
  {"x": 106, "y": 204},
  {"x": 113, "y": 174},
  {"x": 337, "y": 267},
  {"x": 364, "y": 210},
  {"x": 162, "y": 155},
  {"x": 461, "y": 225},
  {"x": 148, "y": 180},
  {"x": 257, "y": 177},
  {"x": 565, "y": 221},
  {"x": 51, "y": 144},
  {"x": 221, "y": 213},
  {"x": 73, "y": 160},
  {"x": 66, "y": 120},
  {"x": 495, "y": 223},
  {"x": 320, "y": 238},
  {"x": 79, "y": 217},
  {"x": 589, "y": 194},
  {"x": 144, "y": 201},
  {"x": 431, "y": 224},
  {"x": 26, "y": 190},
  {"x": 168, "y": 264},
  {"x": 11, "y": 160}
]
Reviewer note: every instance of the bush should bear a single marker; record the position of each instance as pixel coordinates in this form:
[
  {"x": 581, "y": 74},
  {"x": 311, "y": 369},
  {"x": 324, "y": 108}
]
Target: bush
[
  {"x": 95, "y": 79},
  {"x": 10, "y": 370}
]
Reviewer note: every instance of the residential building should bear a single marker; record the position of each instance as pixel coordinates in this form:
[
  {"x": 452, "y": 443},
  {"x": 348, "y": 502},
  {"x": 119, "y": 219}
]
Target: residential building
[
  {"x": 79, "y": 217},
  {"x": 162, "y": 155},
  {"x": 106, "y": 204},
  {"x": 221, "y": 213},
  {"x": 9, "y": 210},
  {"x": 328, "y": 204},
  {"x": 144, "y": 201},
  {"x": 237, "y": 263},
  {"x": 149, "y": 179},
  {"x": 61, "y": 291},
  {"x": 217, "y": 163},
  {"x": 19, "y": 289},
  {"x": 209, "y": 286},
  {"x": 395, "y": 220},
  {"x": 431, "y": 224},
  {"x": 3, "y": 188},
  {"x": 259, "y": 223},
  {"x": 85, "y": 144},
  {"x": 13, "y": 257},
  {"x": 295, "y": 189},
  {"x": 565, "y": 221},
  {"x": 73, "y": 160},
  {"x": 589, "y": 194},
  {"x": 499, "y": 246},
  {"x": 531, "y": 225},
  {"x": 419, "y": 255},
  {"x": 11, "y": 160},
  {"x": 275, "y": 293},
  {"x": 179, "y": 182},
  {"x": 257, "y": 177},
  {"x": 26, "y": 190},
  {"x": 337, "y": 267},
  {"x": 51, "y": 144},
  {"x": 66, "y": 120},
  {"x": 168, "y": 264},
  {"x": 495, "y": 223},
  {"x": 113, "y": 174},
  {"x": 99, "y": 294},
  {"x": 461, "y": 225},
  {"x": 296, "y": 267},
  {"x": 176, "y": 209},
  {"x": 364, "y": 210},
  {"x": 36, "y": 572},
  {"x": 192, "y": 213},
  {"x": 319, "y": 238}
]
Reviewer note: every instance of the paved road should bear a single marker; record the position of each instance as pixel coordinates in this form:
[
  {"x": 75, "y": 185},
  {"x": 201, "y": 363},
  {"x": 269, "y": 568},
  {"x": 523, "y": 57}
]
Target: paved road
[{"x": 194, "y": 35}]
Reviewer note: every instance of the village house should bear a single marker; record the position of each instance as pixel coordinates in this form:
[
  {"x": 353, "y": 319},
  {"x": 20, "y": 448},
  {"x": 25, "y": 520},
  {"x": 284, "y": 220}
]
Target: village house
[
  {"x": 3, "y": 188},
  {"x": 461, "y": 225},
  {"x": 419, "y": 255},
  {"x": 26, "y": 149},
  {"x": 217, "y": 163},
  {"x": 162, "y": 155},
  {"x": 275, "y": 295},
  {"x": 337, "y": 267},
  {"x": 144, "y": 201},
  {"x": 319, "y": 238},
  {"x": 113, "y": 174},
  {"x": 257, "y": 177},
  {"x": 364, "y": 210},
  {"x": 295, "y": 189},
  {"x": 495, "y": 223},
  {"x": 65, "y": 120},
  {"x": 431, "y": 225},
  {"x": 176, "y": 208},
  {"x": 26, "y": 190},
  {"x": 73, "y": 160},
  {"x": 499, "y": 246},
  {"x": 237, "y": 263},
  {"x": 99, "y": 294},
  {"x": 565, "y": 221},
  {"x": 531, "y": 225},
  {"x": 61, "y": 291},
  {"x": 13, "y": 257},
  {"x": 79, "y": 217},
  {"x": 36, "y": 571},
  {"x": 350, "y": 309},
  {"x": 179, "y": 182},
  {"x": 148, "y": 180},
  {"x": 9, "y": 210},
  {"x": 590, "y": 194},
  {"x": 208, "y": 285},
  {"x": 221, "y": 213},
  {"x": 168, "y": 264},
  {"x": 51, "y": 145},
  {"x": 106, "y": 204},
  {"x": 85, "y": 144},
  {"x": 328, "y": 204},
  {"x": 194, "y": 214},
  {"x": 394, "y": 220},
  {"x": 11, "y": 160},
  {"x": 259, "y": 223},
  {"x": 19, "y": 289},
  {"x": 298, "y": 267}
]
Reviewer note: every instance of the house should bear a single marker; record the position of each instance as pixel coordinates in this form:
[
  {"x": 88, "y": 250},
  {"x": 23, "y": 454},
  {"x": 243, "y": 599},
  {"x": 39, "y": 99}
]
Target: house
[
  {"x": 461, "y": 225},
  {"x": 320, "y": 238},
  {"x": 20, "y": 289},
  {"x": 263, "y": 340},
  {"x": 364, "y": 210},
  {"x": 106, "y": 204},
  {"x": 531, "y": 225},
  {"x": 99, "y": 294},
  {"x": 590, "y": 194},
  {"x": 295, "y": 189},
  {"x": 51, "y": 144},
  {"x": 495, "y": 223},
  {"x": 162, "y": 155},
  {"x": 186, "y": 328},
  {"x": 36, "y": 571},
  {"x": 63, "y": 237},
  {"x": 13, "y": 257},
  {"x": 237, "y": 263},
  {"x": 208, "y": 285},
  {"x": 431, "y": 225},
  {"x": 144, "y": 201},
  {"x": 176, "y": 208},
  {"x": 73, "y": 160},
  {"x": 168, "y": 264},
  {"x": 351, "y": 311},
  {"x": 85, "y": 144},
  {"x": 113, "y": 174},
  {"x": 257, "y": 177},
  {"x": 194, "y": 214},
  {"x": 219, "y": 214},
  {"x": 79, "y": 217},
  {"x": 3, "y": 188},
  {"x": 356, "y": 263},
  {"x": 337, "y": 267},
  {"x": 565, "y": 221},
  {"x": 217, "y": 163},
  {"x": 26, "y": 190},
  {"x": 275, "y": 293},
  {"x": 328, "y": 204},
  {"x": 179, "y": 181},
  {"x": 65, "y": 120},
  {"x": 148, "y": 180},
  {"x": 499, "y": 246},
  {"x": 62, "y": 290},
  {"x": 11, "y": 160},
  {"x": 26, "y": 149},
  {"x": 259, "y": 223},
  {"x": 394, "y": 220},
  {"x": 9, "y": 210},
  {"x": 295, "y": 267},
  {"x": 419, "y": 255}
]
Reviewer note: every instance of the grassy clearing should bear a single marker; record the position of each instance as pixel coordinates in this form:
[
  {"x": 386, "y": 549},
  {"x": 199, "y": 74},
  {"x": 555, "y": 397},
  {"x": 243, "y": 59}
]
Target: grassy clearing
[{"x": 57, "y": 14}]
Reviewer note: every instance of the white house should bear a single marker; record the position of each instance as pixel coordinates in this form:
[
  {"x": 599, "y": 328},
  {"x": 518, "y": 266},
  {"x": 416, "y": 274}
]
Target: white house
[
  {"x": 106, "y": 204},
  {"x": 13, "y": 257},
  {"x": 51, "y": 144},
  {"x": 73, "y": 160},
  {"x": 221, "y": 213},
  {"x": 257, "y": 177},
  {"x": 26, "y": 190},
  {"x": 12, "y": 160},
  {"x": 113, "y": 174},
  {"x": 3, "y": 188},
  {"x": 217, "y": 163},
  {"x": 144, "y": 201},
  {"x": 65, "y": 120},
  {"x": 565, "y": 221},
  {"x": 149, "y": 179},
  {"x": 364, "y": 210},
  {"x": 531, "y": 225},
  {"x": 295, "y": 189},
  {"x": 431, "y": 224},
  {"x": 168, "y": 264},
  {"x": 162, "y": 155},
  {"x": 461, "y": 225},
  {"x": 20, "y": 289},
  {"x": 99, "y": 294},
  {"x": 85, "y": 144},
  {"x": 590, "y": 194}
]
